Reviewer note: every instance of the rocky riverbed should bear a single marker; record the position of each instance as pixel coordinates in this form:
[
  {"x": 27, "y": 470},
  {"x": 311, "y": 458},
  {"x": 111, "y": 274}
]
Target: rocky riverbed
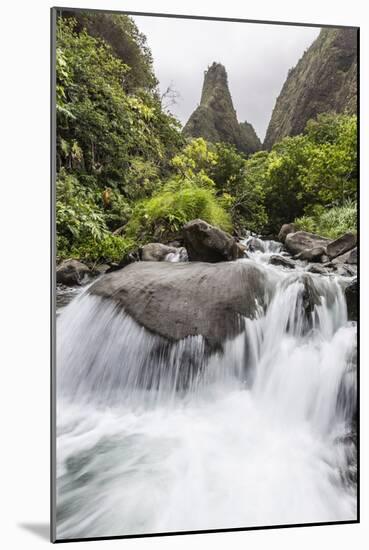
[
  {"x": 201, "y": 242},
  {"x": 181, "y": 382}
]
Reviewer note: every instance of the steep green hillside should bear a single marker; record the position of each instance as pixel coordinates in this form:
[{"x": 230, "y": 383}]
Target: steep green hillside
[
  {"x": 324, "y": 80},
  {"x": 126, "y": 41}
]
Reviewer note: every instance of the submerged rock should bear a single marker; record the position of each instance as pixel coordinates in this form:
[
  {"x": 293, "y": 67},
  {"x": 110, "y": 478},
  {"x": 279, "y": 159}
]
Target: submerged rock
[
  {"x": 255, "y": 244},
  {"x": 351, "y": 293},
  {"x": 207, "y": 243},
  {"x": 276, "y": 259},
  {"x": 310, "y": 295},
  {"x": 341, "y": 245},
  {"x": 176, "y": 300},
  {"x": 72, "y": 272}
]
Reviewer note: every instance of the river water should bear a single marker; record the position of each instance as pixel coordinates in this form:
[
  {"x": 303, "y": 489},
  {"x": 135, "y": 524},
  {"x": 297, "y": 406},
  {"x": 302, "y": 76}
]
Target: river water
[{"x": 261, "y": 434}]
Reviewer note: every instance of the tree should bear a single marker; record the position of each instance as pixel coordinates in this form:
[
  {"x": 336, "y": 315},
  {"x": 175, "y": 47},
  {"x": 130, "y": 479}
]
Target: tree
[
  {"x": 331, "y": 173},
  {"x": 127, "y": 44},
  {"x": 98, "y": 118},
  {"x": 226, "y": 169},
  {"x": 316, "y": 168},
  {"x": 238, "y": 181}
]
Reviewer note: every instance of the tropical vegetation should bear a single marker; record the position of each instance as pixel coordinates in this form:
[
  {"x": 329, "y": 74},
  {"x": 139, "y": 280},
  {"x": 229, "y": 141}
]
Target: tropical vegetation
[{"x": 126, "y": 175}]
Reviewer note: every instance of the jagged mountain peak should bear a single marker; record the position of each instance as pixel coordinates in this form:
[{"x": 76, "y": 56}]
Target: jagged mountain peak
[
  {"x": 250, "y": 137},
  {"x": 214, "y": 77},
  {"x": 215, "y": 119}
]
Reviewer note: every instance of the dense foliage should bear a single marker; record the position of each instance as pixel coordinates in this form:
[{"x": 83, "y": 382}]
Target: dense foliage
[
  {"x": 316, "y": 168},
  {"x": 109, "y": 143},
  {"x": 127, "y": 43},
  {"x": 127, "y": 176}
]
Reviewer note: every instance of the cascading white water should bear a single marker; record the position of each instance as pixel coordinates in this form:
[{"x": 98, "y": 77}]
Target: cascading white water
[
  {"x": 179, "y": 256},
  {"x": 254, "y": 434}
]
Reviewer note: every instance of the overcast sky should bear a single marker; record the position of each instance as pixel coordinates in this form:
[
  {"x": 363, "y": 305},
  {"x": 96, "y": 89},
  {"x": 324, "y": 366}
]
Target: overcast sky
[{"x": 257, "y": 58}]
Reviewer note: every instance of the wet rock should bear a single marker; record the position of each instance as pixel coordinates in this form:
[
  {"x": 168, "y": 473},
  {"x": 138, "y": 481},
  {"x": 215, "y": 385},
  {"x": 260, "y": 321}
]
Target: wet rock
[
  {"x": 346, "y": 270},
  {"x": 349, "y": 257},
  {"x": 316, "y": 268},
  {"x": 276, "y": 259},
  {"x": 342, "y": 269},
  {"x": 72, "y": 272},
  {"x": 209, "y": 244},
  {"x": 352, "y": 257},
  {"x": 316, "y": 254},
  {"x": 176, "y": 300},
  {"x": 351, "y": 294},
  {"x": 349, "y": 440},
  {"x": 302, "y": 241},
  {"x": 255, "y": 244},
  {"x": 101, "y": 269},
  {"x": 127, "y": 259},
  {"x": 285, "y": 230},
  {"x": 341, "y": 245},
  {"x": 309, "y": 296}
]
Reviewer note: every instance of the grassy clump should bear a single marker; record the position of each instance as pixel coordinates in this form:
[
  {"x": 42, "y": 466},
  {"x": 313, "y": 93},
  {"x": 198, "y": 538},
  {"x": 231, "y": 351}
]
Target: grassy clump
[
  {"x": 162, "y": 216},
  {"x": 331, "y": 222}
]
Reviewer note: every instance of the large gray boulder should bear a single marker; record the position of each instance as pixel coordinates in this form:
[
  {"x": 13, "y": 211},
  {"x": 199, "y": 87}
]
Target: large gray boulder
[
  {"x": 206, "y": 243},
  {"x": 302, "y": 241},
  {"x": 341, "y": 245},
  {"x": 158, "y": 252},
  {"x": 285, "y": 230},
  {"x": 176, "y": 300},
  {"x": 72, "y": 272}
]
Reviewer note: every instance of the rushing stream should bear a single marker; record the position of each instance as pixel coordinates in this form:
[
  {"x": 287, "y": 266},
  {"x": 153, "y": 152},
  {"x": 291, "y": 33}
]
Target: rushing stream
[{"x": 258, "y": 434}]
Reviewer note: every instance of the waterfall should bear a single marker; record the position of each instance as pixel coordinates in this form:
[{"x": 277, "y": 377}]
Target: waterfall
[{"x": 158, "y": 436}]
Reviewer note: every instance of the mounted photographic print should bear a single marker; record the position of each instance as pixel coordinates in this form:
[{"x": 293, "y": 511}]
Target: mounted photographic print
[{"x": 204, "y": 274}]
